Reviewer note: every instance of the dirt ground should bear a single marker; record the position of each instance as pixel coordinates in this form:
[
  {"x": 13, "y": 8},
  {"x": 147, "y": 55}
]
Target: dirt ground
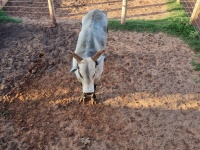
[{"x": 148, "y": 97}]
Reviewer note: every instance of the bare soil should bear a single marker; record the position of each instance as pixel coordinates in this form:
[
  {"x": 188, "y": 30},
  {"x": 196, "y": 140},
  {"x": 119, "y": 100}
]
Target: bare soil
[{"x": 148, "y": 97}]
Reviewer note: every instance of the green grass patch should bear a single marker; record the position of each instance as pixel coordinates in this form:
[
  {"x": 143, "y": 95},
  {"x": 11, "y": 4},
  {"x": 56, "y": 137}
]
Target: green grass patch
[
  {"x": 176, "y": 24},
  {"x": 4, "y": 17},
  {"x": 196, "y": 65}
]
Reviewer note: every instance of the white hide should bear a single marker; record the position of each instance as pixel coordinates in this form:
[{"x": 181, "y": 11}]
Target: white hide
[{"x": 92, "y": 38}]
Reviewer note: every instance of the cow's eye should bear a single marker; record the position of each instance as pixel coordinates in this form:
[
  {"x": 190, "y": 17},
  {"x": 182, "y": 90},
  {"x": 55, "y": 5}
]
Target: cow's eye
[{"x": 80, "y": 74}]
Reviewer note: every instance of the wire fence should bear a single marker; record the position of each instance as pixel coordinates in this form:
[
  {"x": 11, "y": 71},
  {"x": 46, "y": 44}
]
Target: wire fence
[
  {"x": 189, "y": 6},
  {"x": 75, "y": 9},
  {"x": 27, "y": 8}
]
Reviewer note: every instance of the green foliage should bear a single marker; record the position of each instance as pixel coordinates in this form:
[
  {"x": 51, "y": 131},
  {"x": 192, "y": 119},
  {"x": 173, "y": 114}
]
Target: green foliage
[{"x": 5, "y": 18}]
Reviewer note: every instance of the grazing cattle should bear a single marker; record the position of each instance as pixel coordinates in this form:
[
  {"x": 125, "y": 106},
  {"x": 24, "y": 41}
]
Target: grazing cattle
[{"x": 88, "y": 58}]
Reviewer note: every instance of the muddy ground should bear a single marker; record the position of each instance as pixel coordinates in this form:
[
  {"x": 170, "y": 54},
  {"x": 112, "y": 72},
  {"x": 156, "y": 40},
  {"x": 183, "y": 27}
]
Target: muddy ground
[{"x": 148, "y": 97}]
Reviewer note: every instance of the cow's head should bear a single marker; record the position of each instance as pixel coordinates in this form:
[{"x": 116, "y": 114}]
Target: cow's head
[{"x": 89, "y": 70}]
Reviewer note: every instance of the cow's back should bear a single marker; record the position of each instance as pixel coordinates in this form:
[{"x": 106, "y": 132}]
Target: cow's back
[
  {"x": 93, "y": 35},
  {"x": 95, "y": 19}
]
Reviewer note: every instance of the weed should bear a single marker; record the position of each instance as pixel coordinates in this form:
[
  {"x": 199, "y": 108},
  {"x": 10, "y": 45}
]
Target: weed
[{"x": 4, "y": 17}]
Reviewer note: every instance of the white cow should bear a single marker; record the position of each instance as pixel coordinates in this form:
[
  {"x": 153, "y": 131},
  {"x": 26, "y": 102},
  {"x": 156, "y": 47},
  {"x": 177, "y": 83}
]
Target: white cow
[{"x": 88, "y": 59}]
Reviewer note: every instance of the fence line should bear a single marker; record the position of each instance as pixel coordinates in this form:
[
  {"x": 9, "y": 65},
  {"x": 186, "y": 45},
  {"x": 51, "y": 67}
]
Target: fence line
[
  {"x": 52, "y": 12},
  {"x": 196, "y": 12},
  {"x": 12, "y": 4},
  {"x": 27, "y": 2},
  {"x": 189, "y": 8},
  {"x": 124, "y": 10},
  {"x": 35, "y": 7},
  {"x": 25, "y": 7},
  {"x": 192, "y": 7},
  {"x": 27, "y": 12},
  {"x": 3, "y": 3}
]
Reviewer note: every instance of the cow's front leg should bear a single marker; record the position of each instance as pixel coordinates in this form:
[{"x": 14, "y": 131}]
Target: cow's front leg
[
  {"x": 93, "y": 96},
  {"x": 83, "y": 98},
  {"x": 93, "y": 99}
]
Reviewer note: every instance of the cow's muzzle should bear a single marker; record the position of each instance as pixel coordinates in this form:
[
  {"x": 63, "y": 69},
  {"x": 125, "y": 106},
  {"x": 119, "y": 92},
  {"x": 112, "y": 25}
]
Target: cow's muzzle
[
  {"x": 89, "y": 90},
  {"x": 88, "y": 94}
]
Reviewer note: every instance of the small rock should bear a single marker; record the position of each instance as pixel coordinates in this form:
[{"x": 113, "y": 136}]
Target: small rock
[{"x": 33, "y": 71}]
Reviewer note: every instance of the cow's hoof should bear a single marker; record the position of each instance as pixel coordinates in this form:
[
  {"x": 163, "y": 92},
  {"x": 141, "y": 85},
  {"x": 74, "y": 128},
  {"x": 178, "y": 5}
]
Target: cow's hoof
[
  {"x": 93, "y": 100},
  {"x": 82, "y": 99}
]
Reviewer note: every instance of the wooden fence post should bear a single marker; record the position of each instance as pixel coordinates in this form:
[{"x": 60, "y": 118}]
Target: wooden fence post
[
  {"x": 196, "y": 12},
  {"x": 3, "y": 3},
  {"x": 52, "y": 12},
  {"x": 124, "y": 10}
]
